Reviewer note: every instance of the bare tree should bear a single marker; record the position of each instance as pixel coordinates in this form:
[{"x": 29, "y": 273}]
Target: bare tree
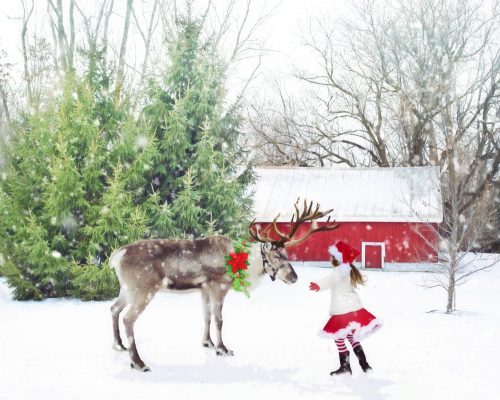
[
  {"x": 287, "y": 133},
  {"x": 457, "y": 238},
  {"x": 66, "y": 48},
  {"x": 237, "y": 30},
  {"x": 72, "y": 35},
  {"x": 232, "y": 25},
  {"x": 284, "y": 135},
  {"x": 106, "y": 27},
  {"x": 120, "y": 77},
  {"x": 412, "y": 83},
  {"x": 147, "y": 38},
  {"x": 24, "y": 32},
  {"x": 380, "y": 78},
  {"x": 469, "y": 164},
  {"x": 43, "y": 74},
  {"x": 97, "y": 32},
  {"x": 5, "y": 68}
]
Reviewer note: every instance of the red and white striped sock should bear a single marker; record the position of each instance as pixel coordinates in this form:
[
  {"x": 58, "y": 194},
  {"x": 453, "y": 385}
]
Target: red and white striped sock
[
  {"x": 341, "y": 346},
  {"x": 353, "y": 342}
]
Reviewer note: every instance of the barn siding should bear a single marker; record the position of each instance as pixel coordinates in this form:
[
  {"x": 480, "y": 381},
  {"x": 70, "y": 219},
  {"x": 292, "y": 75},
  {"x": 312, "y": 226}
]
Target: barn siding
[{"x": 402, "y": 243}]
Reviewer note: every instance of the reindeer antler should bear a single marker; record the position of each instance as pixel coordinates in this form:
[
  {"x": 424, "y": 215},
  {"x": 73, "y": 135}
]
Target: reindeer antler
[
  {"x": 329, "y": 226},
  {"x": 255, "y": 235},
  {"x": 308, "y": 215},
  {"x": 297, "y": 220}
]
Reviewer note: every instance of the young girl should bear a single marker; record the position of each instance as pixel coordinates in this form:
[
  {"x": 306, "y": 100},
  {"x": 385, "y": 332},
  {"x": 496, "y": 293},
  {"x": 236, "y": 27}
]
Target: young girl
[{"x": 348, "y": 317}]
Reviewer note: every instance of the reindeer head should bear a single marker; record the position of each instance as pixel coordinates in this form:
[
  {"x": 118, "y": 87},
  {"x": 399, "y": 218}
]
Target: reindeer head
[
  {"x": 273, "y": 251},
  {"x": 276, "y": 264}
]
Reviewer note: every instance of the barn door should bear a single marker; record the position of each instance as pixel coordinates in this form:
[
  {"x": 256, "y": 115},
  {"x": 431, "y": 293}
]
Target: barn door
[{"x": 373, "y": 254}]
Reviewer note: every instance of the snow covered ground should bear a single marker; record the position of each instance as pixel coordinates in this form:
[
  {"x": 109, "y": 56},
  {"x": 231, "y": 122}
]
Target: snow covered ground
[{"x": 61, "y": 349}]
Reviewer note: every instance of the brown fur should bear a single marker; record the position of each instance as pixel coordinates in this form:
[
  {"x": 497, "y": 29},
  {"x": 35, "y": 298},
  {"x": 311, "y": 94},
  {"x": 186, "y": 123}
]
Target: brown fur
[{"x": 148, "y": 266}]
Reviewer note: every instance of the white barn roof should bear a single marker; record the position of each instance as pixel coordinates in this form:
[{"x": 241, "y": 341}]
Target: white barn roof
[{"x": 355, "y": 194}]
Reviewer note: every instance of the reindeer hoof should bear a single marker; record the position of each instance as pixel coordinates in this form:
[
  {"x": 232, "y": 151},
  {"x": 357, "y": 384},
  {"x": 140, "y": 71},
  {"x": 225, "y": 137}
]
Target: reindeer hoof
[
  {"x": 224, "y": 352},
  {"x": 208, "y": 344},
  {"x": 144, "y": 368}
]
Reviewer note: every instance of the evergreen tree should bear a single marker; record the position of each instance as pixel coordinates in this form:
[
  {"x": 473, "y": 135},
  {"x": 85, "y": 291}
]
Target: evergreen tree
[
  {"x": 64, "y": 197},
  {"x": 197, "y": 133},
  {"x": 83, "y": 177}
]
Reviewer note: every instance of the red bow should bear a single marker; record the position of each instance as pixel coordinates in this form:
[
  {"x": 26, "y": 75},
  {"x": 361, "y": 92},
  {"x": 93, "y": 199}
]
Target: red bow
[{"x": 238, "y": 261}]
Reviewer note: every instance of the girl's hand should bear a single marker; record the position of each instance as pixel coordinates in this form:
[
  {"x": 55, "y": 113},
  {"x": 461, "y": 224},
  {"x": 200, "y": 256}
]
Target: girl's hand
[{"x": 314, "y": 287}]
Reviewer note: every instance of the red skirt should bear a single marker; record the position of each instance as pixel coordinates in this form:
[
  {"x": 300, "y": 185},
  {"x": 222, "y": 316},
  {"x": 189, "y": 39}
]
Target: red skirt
[{"x": 359, "y": 323}]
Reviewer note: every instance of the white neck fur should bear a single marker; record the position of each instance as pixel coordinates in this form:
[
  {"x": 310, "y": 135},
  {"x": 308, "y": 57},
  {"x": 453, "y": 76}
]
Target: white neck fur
[{"x": 256, "y": 266}]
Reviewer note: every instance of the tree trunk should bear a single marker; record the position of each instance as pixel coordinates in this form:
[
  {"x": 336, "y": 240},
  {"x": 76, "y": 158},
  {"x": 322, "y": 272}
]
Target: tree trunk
[
  {"x": 147, "y": 45},
  {"x": 58, "y": 30},
  {"x": 120, "y": 76},
  {"x": 27, "y": 75},
  {"x": 451, "y": 294},
  {"x": 71, "y": 50},
  {"x": 5, "y": 104},
  {"x": 61, "y": 37},
  {"x": 106, "y": 30}
]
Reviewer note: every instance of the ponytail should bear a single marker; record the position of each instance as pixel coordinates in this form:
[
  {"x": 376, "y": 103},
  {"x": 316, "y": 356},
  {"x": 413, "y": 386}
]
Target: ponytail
[{"x": 356, "y": 277}]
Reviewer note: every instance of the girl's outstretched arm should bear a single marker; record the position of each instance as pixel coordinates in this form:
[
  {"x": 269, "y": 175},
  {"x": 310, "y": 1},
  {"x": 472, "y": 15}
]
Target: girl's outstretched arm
[{"x": 322, "y": 284}]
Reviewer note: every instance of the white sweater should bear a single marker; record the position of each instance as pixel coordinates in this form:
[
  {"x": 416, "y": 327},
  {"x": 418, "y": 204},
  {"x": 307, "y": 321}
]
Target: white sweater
[{"x": 343, "y": 297}]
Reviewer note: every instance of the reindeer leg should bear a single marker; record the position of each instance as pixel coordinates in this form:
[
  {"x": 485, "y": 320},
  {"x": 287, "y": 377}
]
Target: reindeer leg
[
  {"x": 129, "y": 320},
  {"x": 218, "y": 291},
  {"x": 116, "y": 309},
  {"x": 207, "y": 315}
]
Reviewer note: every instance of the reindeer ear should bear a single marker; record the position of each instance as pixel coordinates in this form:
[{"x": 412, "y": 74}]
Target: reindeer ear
[{"x": 268, "y": 246}]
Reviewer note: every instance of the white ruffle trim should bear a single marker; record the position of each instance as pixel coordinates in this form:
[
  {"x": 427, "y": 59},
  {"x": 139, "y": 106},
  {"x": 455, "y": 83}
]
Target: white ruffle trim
[{"x": 359, "y": 332}]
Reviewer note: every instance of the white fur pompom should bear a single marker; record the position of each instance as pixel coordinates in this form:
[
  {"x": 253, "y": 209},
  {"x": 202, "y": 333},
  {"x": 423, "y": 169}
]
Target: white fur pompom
[{"x": 335, "y": 253}]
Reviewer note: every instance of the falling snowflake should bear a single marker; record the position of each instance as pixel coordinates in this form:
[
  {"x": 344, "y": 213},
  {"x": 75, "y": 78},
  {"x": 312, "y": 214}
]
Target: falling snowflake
[
  {"x": 56, "y": 254},
  {"x": 70, "y": 223},
  {"x": 141, "y": 142}
]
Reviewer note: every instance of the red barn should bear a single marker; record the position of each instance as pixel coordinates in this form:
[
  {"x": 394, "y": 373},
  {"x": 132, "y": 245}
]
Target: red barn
[{"x": 389, "y": 214}]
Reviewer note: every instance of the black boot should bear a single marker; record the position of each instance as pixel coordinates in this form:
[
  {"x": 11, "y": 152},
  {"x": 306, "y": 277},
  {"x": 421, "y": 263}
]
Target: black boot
[
  {"x": 362, "y": 359},
  {"x": 345, "y": 367}
]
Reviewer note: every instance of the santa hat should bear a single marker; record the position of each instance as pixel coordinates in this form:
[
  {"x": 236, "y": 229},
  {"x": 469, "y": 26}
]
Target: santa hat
[{"x": 343, "y": 253}]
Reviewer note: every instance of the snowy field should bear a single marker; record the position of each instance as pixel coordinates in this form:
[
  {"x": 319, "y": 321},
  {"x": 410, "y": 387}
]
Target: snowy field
[{"x": 61, "y": 349}]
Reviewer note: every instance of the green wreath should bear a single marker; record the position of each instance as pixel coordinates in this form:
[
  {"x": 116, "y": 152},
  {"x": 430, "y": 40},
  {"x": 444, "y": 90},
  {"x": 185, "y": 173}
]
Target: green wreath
[{"x": 237, "y": 266}]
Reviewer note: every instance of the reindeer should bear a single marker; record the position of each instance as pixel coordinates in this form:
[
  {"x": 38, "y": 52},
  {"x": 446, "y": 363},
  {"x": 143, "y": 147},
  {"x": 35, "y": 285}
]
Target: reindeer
[{"x": 145, "y": 267}]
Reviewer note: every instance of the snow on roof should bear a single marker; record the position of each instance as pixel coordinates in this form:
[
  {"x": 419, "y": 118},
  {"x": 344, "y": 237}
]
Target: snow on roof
[{"x": 355, "y": 194}]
